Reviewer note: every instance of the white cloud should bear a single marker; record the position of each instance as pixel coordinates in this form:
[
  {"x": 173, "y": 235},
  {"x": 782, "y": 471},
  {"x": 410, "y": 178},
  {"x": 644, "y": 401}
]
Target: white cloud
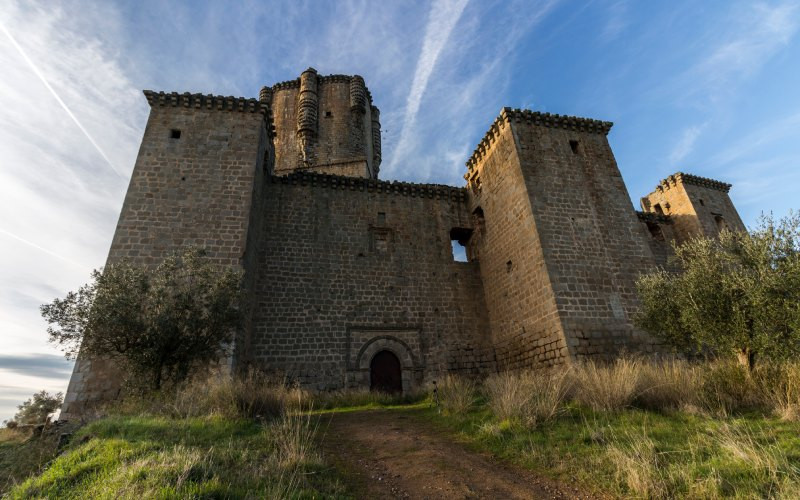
[
  {"x": 752, "y": 36},
  {"x": 443, "y": 17},
  {"x": 69, "y": 132},
  {"x": 686, "y": 143}
]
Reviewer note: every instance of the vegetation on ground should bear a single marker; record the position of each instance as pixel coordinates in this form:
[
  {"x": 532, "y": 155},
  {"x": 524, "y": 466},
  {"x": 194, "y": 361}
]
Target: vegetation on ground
[
  {"x": 644, "y": 429},
  {"x": 221, "y": 438},
  {"x": 160, "y": 322},
  {"x": 738, "y": 294},
  {"x": 36, "y": 410}
]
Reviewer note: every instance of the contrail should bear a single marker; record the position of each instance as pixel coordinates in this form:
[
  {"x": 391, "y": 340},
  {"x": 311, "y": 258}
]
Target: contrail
[
  {"x": 42, "y": 249},
  {"x": 63, "y": 105},
  {"x": 443, "y": 18}
]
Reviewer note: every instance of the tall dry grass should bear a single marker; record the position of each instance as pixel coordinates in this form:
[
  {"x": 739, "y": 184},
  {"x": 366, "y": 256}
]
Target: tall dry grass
[
  {"x": 670, "y": 384},
  {"x": 457, "y": 394},
  {"x": 531, "y": 397},
  {"x": 607, "y": 386}
]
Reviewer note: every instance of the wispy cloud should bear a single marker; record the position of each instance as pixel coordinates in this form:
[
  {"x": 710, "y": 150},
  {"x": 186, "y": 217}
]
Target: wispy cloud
[
  {"x": 685, "y": 144},
  {"x": 38, "y": 365},
  {"x": 443, "y": 17},
  {"x": 754, "y": 34}
]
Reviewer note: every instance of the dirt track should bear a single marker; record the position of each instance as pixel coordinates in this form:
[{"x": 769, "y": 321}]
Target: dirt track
[{"x": 392, "y": 454}]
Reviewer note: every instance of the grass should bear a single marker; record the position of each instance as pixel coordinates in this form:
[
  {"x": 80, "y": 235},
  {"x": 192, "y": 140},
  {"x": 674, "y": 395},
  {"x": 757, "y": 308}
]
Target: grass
[
  {"x": 644, "y": 453},
  {"x": 164, "y": 457}
]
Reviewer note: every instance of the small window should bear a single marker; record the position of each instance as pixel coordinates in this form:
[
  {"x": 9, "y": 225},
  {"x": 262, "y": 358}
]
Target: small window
[
  {"x": 574, "y": 146},
  {"x": 328, "y": 114},
  {"x": 509, "y": 266},
  {"x": 459, "y": 236},
  {"x": 722, "y": 224},
  {"x": 701, "y": 202},
  {"x": 174, "y": 134},
  {"x": 655, "y": 231},
  {"x": 658, "y": 209},
  {"x": 381, "y": 219}
]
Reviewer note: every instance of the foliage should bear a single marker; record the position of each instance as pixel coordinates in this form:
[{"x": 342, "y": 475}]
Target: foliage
[
  {"x": 738, "y": 294},
  {"x": 607, "y": 387},
  {"x": 161, "y": 322},
  {"x": 36, "y": 409}
]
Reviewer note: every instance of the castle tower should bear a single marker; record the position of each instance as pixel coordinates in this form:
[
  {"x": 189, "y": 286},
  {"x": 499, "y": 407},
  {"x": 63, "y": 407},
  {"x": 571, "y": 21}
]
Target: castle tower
[
  {"x": 325, "y": 124},
  {"x": 197, "y": 181},
  {"x": 558, "y": 243},
  {"x": 697, "y": 206}
]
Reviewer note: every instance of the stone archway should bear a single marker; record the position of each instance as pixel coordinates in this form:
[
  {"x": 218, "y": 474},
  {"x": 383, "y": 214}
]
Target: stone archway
[
  {"x": 410, "y": 368},
  {"x": 385, "y": 373}
]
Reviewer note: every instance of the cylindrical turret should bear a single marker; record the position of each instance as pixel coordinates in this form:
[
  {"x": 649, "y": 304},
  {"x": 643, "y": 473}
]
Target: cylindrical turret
[
  {"x": 376, "y": 138},
  {"x": 358, "y": 94}
]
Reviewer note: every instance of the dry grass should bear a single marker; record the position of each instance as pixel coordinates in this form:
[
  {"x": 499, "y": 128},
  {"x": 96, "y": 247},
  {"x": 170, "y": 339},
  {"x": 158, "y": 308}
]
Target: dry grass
[
  {"x": 779, "y": 386},
  {"x": 668, "y": 385},
  {"x": 530, "y": 397},
  {"x": 345, "y": 398},
  {"x": 607, "y": 387},
  {"x": 457, "y": 394},
  {"x": 637, "y": 466}
]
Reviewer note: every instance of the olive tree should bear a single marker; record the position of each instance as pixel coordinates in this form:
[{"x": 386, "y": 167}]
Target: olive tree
[
  {"x": 36, "y": 409},
  {"x": 738, "y": 294},
  {"x": 160, "y": 322}
]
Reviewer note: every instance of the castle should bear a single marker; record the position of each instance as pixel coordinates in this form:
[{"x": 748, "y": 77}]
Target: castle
[{"x": 351, "y": 280}]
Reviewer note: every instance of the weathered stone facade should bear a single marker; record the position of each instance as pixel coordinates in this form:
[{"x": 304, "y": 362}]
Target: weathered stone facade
[{"x": 340, "y": 267}]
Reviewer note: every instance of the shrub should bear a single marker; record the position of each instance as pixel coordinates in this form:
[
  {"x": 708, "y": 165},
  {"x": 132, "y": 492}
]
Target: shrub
[
  {"x": 36, "y": 409},
  {"x": 530, "y": 397},
  {"x": 456, "y": 394},
  {"x": 606, "y": 387}
]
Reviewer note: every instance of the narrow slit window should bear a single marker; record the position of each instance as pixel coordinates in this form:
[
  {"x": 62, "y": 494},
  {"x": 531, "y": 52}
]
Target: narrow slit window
[
  {"x": 574, "y": 146},
  {"x": 174, "y": 134}
]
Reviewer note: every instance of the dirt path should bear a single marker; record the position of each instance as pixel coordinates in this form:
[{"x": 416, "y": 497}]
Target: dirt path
[{"x": 392, "y": 454}]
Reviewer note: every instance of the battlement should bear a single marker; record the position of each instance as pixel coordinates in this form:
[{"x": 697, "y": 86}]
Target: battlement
[
  {"x": 438, "y": 191},
  {"x": 295, "y": 84},
  {"x": 508, "y": 115},
  {"x": 211, "y": 102},
  {"x": 681, "y": 177}
]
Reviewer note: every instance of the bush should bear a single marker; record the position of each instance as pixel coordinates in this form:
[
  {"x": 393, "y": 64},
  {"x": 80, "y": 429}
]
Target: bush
[
  {"x": 607, "y": 387},
  {"x": 456, "y": 394},
  {"x": 36, "y": 409},
  {"x": 530, "y": 397}
]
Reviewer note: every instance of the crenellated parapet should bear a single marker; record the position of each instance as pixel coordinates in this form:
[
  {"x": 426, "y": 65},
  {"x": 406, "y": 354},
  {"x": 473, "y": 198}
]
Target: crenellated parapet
[
  {"x": 680, "y": 177},
  {"x": 511, "y": 115},
  {"x": 211, "y": 102},
  {"x": 439, "y": 191}
]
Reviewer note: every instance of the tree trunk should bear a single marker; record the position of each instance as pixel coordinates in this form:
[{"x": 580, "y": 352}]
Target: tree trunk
[{"x": 747, "y": 358}]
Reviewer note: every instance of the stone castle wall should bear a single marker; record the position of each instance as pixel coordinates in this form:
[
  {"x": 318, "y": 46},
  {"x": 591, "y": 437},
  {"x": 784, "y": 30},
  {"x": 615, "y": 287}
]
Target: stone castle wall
[
  {"x": 193, "y": 190},
  {"x": 339, "y": 266},
  {"x": 353, "y": 265}
]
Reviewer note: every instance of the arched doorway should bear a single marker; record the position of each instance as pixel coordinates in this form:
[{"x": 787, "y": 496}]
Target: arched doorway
[{"x": 385, "y": 373}]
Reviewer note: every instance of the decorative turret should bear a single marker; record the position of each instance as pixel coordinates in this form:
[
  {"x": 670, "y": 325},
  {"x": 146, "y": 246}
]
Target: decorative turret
[{"x": 325, "y": 124}]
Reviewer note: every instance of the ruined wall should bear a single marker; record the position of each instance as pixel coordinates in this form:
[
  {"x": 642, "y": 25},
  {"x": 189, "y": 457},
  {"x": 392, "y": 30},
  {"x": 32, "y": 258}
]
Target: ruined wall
[
  {"x": 696, "y": 205},
  {"x": 525, "y": 327},
  {"x": 196, "y": 189},
  {"x": 351, "y": 266},
  {"x": 325, "y": 124}
]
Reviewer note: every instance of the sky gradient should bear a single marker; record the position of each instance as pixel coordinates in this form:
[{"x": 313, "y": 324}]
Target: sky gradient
[{"x": 708, "y": 88}]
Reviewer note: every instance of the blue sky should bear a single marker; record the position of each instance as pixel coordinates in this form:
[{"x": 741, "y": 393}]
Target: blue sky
[{"x": 706, "y": 87}]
